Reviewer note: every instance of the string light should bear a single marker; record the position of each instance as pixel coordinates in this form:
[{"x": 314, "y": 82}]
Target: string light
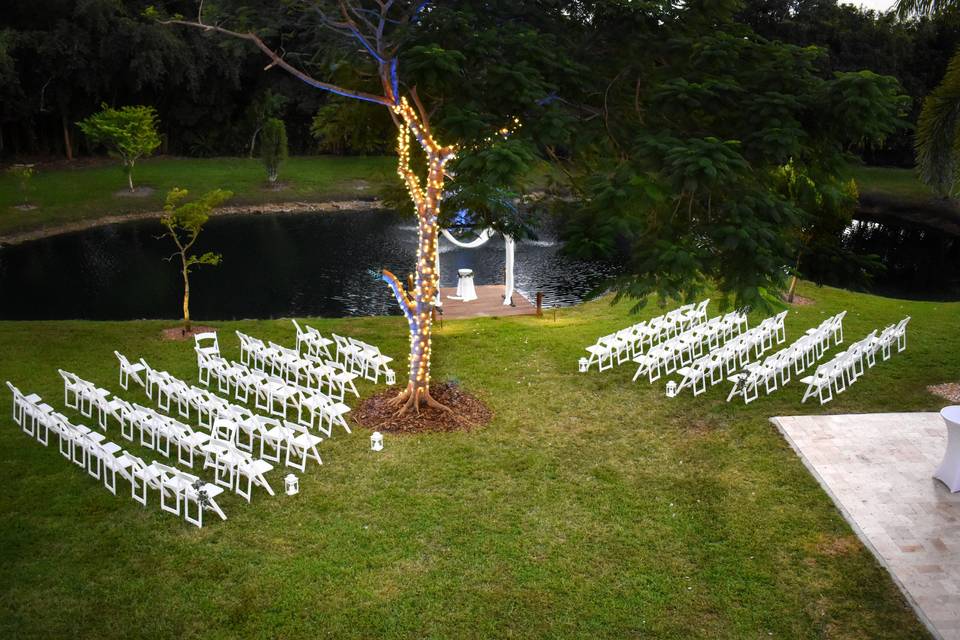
[
  {"x": 426, "y": 199},
  {"x": 417, "y": 305}
]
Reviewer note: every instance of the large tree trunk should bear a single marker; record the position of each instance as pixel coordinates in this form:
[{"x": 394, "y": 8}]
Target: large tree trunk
[
  {"x": 417, "y": 304},
  {"x": 791, "y": 292},
  {"x": 68, "y": 147}
]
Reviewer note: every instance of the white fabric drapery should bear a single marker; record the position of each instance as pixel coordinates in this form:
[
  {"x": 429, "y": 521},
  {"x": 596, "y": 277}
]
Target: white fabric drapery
[{"x": 479, "y": 241}]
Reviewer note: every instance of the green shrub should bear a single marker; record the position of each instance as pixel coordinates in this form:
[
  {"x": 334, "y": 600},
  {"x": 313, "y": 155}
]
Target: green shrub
[
  {"x": 22, "y": 173},
  {"x": 129, "y": 133}
]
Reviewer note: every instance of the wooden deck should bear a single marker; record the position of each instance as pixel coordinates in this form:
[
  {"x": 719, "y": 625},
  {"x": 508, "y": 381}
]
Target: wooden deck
[{"x": 489, "y": 302}]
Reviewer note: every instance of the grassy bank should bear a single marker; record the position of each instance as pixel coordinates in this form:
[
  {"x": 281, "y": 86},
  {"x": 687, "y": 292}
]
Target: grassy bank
[
  {"x": 891, "y": 182},
  {"x": 73, "y": 194},
  {"x": 591, "y": 507}
]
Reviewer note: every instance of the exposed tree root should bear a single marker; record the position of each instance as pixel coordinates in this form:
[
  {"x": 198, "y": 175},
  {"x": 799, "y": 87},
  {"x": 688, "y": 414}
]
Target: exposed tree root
[
  {"x": 443, "y": 407},
  {"x": 408, "y": 400}
]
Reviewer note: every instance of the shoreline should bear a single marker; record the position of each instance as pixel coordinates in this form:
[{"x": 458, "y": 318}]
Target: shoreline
[
  {"x": 938, "y": 215},
  {"x": 253, "y": 209}
]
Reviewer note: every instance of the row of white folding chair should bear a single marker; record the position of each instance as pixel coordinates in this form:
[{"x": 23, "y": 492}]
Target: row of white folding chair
[
  {"x": 846, "y": 367},
  {"x": 733, "y": 353},
  {"x": 269, "y": 356},
  {"x": 312, "y": 341},
  {"x": 241, "y": 427},
  {"x": 841, "y": 371},
  {"x": 234, "y": 466},
  {"x": 182, "y": 488},
  {"x": 80, "y": 394},
  {"x": 90, "y": 450},
  {"x": 318, "y": 376},
  {"x": 278, "y": 439},
  {"x": 830, "y": 328},
  {"x": 275, "y": 395},
  {"x": 84, "y": 396},
  {"x": 159, "y": 432},
  {"x": 309, "y": 371},
  {"x": 169, "y": 389},
  {"x": 311, "y": 404},
  {"x": 774, "y": 371},
  {"x": 625, "y": 344},
  {"x": 893, "y": 334},
  {"x": 681, "y": 350},
  {"x": 363, "y": 358}
]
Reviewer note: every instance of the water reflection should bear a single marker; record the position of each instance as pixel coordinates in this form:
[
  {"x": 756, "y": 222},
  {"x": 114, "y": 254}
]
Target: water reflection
[
  {"x": 918, "y": 261},
  {"x": 273, "y": 265}
]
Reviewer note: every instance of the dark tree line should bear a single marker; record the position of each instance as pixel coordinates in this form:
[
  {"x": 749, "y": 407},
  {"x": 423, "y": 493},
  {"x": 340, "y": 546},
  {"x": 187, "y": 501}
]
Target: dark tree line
[
  {"x": 915, "y": 51},
  {"x": 58, "y": 64}
]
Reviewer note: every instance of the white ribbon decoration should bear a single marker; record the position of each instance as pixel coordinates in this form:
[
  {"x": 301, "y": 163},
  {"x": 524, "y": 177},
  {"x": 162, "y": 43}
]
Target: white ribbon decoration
[{"x": 481, "y": 240}]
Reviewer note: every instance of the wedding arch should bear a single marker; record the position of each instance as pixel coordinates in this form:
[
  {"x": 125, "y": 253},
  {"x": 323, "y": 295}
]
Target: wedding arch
[{"x": 482, "y": 238}]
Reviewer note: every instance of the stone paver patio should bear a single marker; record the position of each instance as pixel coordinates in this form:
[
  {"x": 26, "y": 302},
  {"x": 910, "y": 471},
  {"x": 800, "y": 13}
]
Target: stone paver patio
[{"x": 878, "y": 469}]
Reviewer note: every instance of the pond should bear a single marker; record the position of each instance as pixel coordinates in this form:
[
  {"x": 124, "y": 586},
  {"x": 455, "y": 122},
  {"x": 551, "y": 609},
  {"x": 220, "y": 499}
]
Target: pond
[
  {"x": 275, "y": 265},
  {"x": 911, "y": 260}
]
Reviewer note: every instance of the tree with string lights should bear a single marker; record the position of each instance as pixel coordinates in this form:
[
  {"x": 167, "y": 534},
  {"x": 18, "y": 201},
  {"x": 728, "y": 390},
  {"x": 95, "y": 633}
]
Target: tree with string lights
[{"x": 379, "y": 29}]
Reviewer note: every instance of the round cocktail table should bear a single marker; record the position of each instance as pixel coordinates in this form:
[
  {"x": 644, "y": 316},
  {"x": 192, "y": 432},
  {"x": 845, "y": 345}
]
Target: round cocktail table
[{"x": 949, "y": 470}]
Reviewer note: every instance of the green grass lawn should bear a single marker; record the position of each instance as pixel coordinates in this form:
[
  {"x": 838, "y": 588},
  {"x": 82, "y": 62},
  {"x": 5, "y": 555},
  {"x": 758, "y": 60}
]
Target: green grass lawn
[
  {"x": 69, "y": 195},
  {"x": 890, "y": 181},
  {"x": 590, "y": 507}
]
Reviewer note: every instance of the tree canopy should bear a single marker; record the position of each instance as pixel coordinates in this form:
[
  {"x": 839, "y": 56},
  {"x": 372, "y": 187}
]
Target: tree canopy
[{"x": 129, "y": 133}]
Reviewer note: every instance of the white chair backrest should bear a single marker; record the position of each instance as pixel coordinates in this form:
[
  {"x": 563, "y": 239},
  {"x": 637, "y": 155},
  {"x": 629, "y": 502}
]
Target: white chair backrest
[
  {"x": 206, "y": 339},
  {"x": 17, "y": 395},
  {"x": 137, "y": 464}
]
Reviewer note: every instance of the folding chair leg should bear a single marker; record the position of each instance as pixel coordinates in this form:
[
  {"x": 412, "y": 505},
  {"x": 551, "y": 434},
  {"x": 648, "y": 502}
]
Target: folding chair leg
[
  {"x": 110, "y": 479},
  {"x": 140, "y": 497}
]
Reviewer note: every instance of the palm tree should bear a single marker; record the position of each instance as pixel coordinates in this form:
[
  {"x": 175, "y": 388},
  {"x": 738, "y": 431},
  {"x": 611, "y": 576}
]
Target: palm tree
[
  {"x": 907, "y": 8},
  {"x": 938, "y": 128}
]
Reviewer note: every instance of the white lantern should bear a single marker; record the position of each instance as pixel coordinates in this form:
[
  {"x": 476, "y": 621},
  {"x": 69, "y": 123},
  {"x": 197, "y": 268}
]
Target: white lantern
[
  {"x": 391, "y": 377},
  {"x": 376, "y": 441},
  {"x": 584, "y": 365},
  {"x": 291, "y": 484},
  {"x": 671, "y": 389}
]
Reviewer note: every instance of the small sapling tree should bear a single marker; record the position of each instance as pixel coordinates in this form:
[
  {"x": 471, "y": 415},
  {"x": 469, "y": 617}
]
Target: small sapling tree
[
  {"x": 22, "y": 173},
  {"x": 129, "y": 133},
  {"x": 184, "y": 221},
  {"x": 273, "y": 147}
]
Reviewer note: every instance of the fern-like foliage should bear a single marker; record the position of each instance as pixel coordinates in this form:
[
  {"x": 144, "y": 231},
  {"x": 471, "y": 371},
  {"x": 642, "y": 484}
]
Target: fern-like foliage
[
  {"x": 909, "y": 8},
  {"x": 938, "y": 134}
]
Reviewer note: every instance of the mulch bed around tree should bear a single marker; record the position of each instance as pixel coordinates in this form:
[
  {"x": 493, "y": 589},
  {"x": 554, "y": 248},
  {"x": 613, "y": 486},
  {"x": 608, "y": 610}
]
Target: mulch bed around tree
[
  {"x": 138, "y": 192},
  {"x": 469, "y": 412},
  {"x": 800, "y": 301},
  {"x": 948, "y": 390},
  {"x": 177, "y": 333}
]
